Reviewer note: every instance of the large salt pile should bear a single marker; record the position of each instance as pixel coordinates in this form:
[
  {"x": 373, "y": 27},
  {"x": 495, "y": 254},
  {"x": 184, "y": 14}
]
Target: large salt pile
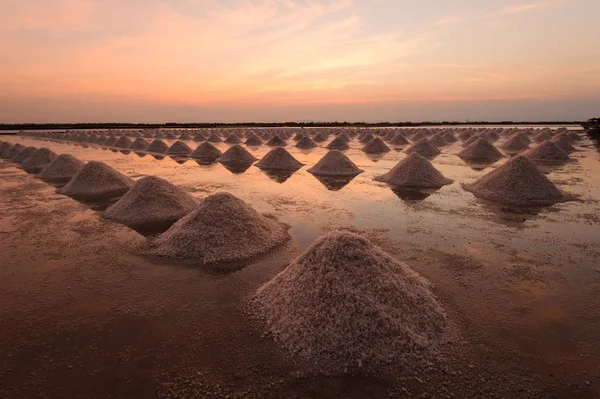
[
  {"x": 152, "y": 203},
  {"x": 563, "y": 142},
  {"x": 23, "y": 154},
  {"x": 4, "y": 148},
  {"x": 365, "y": 138},
  {"x": 179, "y": 148},
  {"x": 338, "y": 143},
  {"x": 306, "y": 143},
  {"x": 278, "y": 159},
  {"x": 233, "y": 139},
  {"x": 398, "y": 139},
  {"x": 547, "y": 152},
  {"x": 542, "y": 136},
  {"x": 517, "y": 182},
  {"x": 171, "y": 136},
  {"x": 111, "y": 141},
  {"x": 320, "y": 137},
  {"x": 222, "y": 228},
  {"x": 206, "y": 152},
  {"x": 185, "y": 136},
  {"x": 64, "y": 167},
  {"x": 276, "y": 141},
  {"x": 414, "y": 171},
  {"x": 515, "y": 144},
  {"x": 123, "y": 142},
  {"x": 347, "y": 305},
  {"x": 253, "y": 140},
  {"x": 38, "y": 160},
  {"x": 237, "y": 155},
  {"x": 449, "y": 137},
  {"x": 376, "y": 146},
  {"x": 214, "y": 138},
  {"x": 139, "y": 144},
  {"x": 438, "y": 141},
  {"x": 481, "y": 151},
  {"x": 423, "y": 147},
  {"x": 97, "y": 181},
  {"x": 157, "y": 146},
  {"x": 334, "y": 163}
]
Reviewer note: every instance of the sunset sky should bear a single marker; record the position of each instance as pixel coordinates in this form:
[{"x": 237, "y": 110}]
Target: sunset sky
[{"x": 282, "y": 60}]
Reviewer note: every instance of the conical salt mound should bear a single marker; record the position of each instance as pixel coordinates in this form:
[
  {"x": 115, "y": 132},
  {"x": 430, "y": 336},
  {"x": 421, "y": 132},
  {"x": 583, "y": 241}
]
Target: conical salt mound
[
  {"x": 97, "y": 181},
  {"x": 338, "y": 143},
  {"x": 277, "y": 141},
  {"x": 334, "y": 163},
  {"x": 563, "y": 142},
  {"x": 517, "y": 182},
  {"x": 376, "y": 146},
  {"x": 253, "y": 140},
  {"x": 23, "y": 154},
  {"x": 4, "y": 148},
  {"x": 437, "y": 140},
  {"x": 14, "y": 150},
  {"x": 157, "y": 146},
  {"x": 414, "y": 171},
  {"x": 62, "y": 168},
  {"x": 398, "y": 139},
  {"x": 542, "y": 136},
  {"x": 111, "y": 141},
  {"x": 481, "y": 151},
  {"x": 233, "y": 139},
  {"x": 206, "y": 152},
  {"x": 279, "y": 159},
  {"x": 179, "y": 148},
  {"x": 465, "y": 136},
  {"x": 38, "y": 160},
  {"x": 237, "y": 155},
  {"x": 423, "y": 147},
  {"x": 152, "y": 203},
  {"x": 449, "y": 137},
  {"x": 347, "y": 305},
  {"x": 185, "y": 136},
  {"x": 222, "y": 228},
  {"x": 344, "y": 136},
  {"x": 139, "y": 144},
  {"x": 366, "y": 138},
  {"x": 320, "y": 137},
  {"x": 472, "y": 140},
  {"x": 515, "y": 144},
  {"x": 123, "y": 142},
  {"x": 171, "y": 136},
  {"x": 214, "y": 138},
  {"x": 547, "y": 152},
  {"x": 306, "y": 143}
]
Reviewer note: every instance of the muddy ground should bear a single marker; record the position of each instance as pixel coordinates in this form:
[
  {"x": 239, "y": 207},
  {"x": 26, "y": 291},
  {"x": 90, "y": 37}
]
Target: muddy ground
[{"x": 87, "y": 313}]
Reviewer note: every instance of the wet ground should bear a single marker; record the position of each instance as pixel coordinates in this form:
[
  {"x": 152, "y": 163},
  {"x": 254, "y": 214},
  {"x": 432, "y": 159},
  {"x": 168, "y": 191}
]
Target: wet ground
[{"x": 85, "y": 313}]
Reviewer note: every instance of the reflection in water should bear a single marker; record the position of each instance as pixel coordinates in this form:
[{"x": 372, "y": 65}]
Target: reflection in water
[
  {"x": 113, "y": 150},
  {"x": 412, "y": 194},
  {"x": 512, "y": 215},
  {"x": 158, "y": 156},
  {"x": 334, "y": 183},
  {"x": 236, "y": 169},
  {"x": 477, "y": 166},
  {"x": 141, "y": 154},
  {"x": 125, "y": 152},
  {"x": 375, "y": 157},
  {"x": 180, "y": 160},
  {"x": 280, "y": 176},
  {"x": 205, "y": 162}
]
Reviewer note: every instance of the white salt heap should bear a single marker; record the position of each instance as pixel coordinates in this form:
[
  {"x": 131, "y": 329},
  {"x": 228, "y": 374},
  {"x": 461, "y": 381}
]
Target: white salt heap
[
  {"x": 414, "y": 171},
  {"x": 376, "y": 146},
  {"x": 64, "y": 167},
  {"x": 515, "y": 143},
  {"x": 222, "y": 228},
  {"x": 123, "y": 142},
  {"x": 185, "y": 136},
  {"x": 306, "y": 143},
  {"x": 253, "y": 140},
  {"x": 423, "y": 147},
  {"x": 110, "y": 141},
  {"x": 38, "y": 160},
  {"x": 214, "y": 138},
  {"x": 151, "y": 201},
  {"x": 398, "y": 139},
  {"x": 206, "y": 152},
  {"x": 179, "y": 148},
  {"x": 278, "y": 159},
  {"x": 547, "y": 152},
  {"x": 276, "y": 141},
  {"x": 347, "y": 305},
  {"x": 237, "y": 155},
  {"x": 563, "y": 142},
  {"x": 23, "y": 154},
  {"x": 334, "y": 163},
  {"x": 338, "y": 143},
  {"x": 320, "y": 137},
  {"x": 517, "y": 182},
  {"x": 157, "y": 146},
  {"x": 139, "y": 144},
  {"x": 233, "y": 139},
  {"x": 5, "y": 147},
  {"x": 481, "y": 151},
  {"x": 97, "y": 181},
  {"x": 438, "y": 141}
]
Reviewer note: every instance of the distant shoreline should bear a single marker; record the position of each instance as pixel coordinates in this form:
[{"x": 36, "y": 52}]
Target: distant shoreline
[{"x": 59, "y": 126}]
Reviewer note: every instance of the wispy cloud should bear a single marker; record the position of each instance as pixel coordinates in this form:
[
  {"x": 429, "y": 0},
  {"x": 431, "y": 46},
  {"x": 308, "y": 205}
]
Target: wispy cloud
[
  {"x": 449, "y": 21},
  {"x": 520, "y": 8}
]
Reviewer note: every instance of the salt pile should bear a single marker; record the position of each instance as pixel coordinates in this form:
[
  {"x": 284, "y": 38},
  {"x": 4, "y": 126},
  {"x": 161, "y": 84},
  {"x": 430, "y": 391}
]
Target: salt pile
[
  {"x": 465, "y": 136},
  {"x": 23, "y": 154},
  {"x": 306, "y": 143},
  {"x": 97, "y": 181},
  {"x": 64, "y": 167},
  {"x": 170, "y": 136},
  {"x": 276, "y": 141},
  {"x": 472, "y": 140},
  {"x": 423, "y": 147},
  {"x": 334, "y": 163},
  {"x": 346, "y": 304},
  {"x": 185, "y": 136},
  {"x": 139, "y": 144},
  {"x": 237, "y": 155},
  {"x": 38, "y": 160},
  {"x": 481, "y": 151},
  {"x": 222, "y": 228},
  {"x": 376, "y": 146},
  {"x": 563, "y": 142},
  {"x": 5, "y": 147},
  {"x": 206, "y": 152},
  {"x": 517, "y": 182},
  {"x": 398, "y": 139},
  {"x": 366, "y": 138},
  {"x": 253, "y": 140},
  {"x": 338, "y": 143},
  {"x": 542, "y": 136},
  {"x": 233, "y": 139},
  {"x": 214, "y": 138},
  {"x": 449, "y": 137},
  {"x": 320, "y": 137},
  {"x": 179, "y": 148},
  {"x": 547, "y": 152},
  {"x": 344, "y": 136},
  {"x": 279, "y": 159},
  {"x": 438, "y": 141},
  {"x": 157, "y": 146},
  {"x": 151, "y": 203},
  {"x": 123, "y": 142},
  {"x": 414, "y": 171},
  {"x": 111, "y": 141},
  {"x": 515, "y": 143}
]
